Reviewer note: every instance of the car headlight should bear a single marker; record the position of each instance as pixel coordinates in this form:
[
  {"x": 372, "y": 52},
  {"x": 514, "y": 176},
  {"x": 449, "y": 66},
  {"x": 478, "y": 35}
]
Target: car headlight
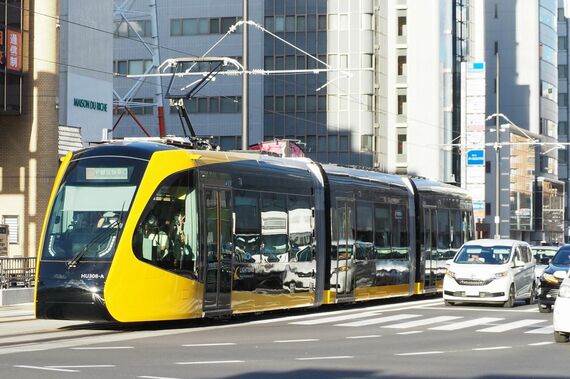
[
  {"x": 549, "y": 278},
  {"x": 450, "y": 273},
  {"x": 564, "y": 290},
  {"x": 500, "y": 275}
]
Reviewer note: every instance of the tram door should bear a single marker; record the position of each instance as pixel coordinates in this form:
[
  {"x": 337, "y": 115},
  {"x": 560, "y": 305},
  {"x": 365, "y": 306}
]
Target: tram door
[
  {"x": 219, "y": 251},
  {"x": 430, "y": 244},
  {"x": 344, "y": 281}
]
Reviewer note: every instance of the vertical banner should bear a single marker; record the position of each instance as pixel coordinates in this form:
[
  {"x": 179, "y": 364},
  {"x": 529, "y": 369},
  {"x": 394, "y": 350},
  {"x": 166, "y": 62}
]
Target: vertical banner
[
  {"x": 473, "y": 133},
  {"x": 13, "y": 50}
]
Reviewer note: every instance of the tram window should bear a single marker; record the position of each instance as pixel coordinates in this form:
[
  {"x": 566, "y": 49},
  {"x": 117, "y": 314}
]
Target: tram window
[
  {"x": 300, "y": 228},
  {"x": 456, "y": 235},
  {"x": 274, "y": 240},
  {"x": 247, "y": 226},
  {"x": 443, "y": 233},
  {"x": 364, "y": 231},
  {"x": 167, "y": 233},
  {"x": 400, "y": 243},
  {"x": 382, "y": 233}
]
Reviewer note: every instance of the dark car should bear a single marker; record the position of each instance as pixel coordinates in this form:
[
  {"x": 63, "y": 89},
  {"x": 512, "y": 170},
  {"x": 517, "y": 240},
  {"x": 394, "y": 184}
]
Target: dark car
[{"x": 551, "y": 279}]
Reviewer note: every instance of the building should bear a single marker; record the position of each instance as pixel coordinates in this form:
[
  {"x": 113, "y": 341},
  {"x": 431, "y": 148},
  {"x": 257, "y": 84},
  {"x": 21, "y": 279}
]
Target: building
[
  {"x": 563, "y": 110},
  {"x": 523, "y": 36},
  {"x": 28, "y": 121},
  {"x": 56, "y": 97},
  {"x": 374, "y": 103}
]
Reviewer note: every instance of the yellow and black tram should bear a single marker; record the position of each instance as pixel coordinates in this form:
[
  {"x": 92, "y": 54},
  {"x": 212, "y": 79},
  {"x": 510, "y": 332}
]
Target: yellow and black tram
[{"x": 143, "y": 231}]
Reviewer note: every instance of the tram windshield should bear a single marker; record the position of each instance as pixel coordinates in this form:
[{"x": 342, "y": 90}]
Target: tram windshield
[{"x": 90, "y": 208}]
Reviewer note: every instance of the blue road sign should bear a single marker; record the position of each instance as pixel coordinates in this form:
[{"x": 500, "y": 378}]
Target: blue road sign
[{"x": 476, "y": 158}]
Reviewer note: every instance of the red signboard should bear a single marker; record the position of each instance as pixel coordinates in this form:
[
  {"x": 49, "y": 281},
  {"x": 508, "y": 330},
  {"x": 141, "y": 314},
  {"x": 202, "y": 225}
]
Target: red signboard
[{"x": 13, "y": 50}]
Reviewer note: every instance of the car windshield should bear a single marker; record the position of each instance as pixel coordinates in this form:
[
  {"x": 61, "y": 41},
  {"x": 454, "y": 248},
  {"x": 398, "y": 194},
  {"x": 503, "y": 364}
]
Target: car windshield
[
  {"x": 543, "y": 254},
  {"x": 90, "y": 207},
  {"x": 562, "y": 258},
  {"x": 490, "y": 255}
]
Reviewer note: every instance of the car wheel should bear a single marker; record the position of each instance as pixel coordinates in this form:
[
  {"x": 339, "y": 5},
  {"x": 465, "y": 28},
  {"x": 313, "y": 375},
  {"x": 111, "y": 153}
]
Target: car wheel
[
  {"x": 532, "y": 297},
  {"x": 511, "y": 301},
  {"x": 448, "y": 303},
  {"x": 560, "y": 337},
  {"x": 544, "y": 308}
]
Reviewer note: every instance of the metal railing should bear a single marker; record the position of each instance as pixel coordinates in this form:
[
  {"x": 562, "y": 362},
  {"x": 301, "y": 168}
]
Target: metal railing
[{"x": 17, "y": 272}]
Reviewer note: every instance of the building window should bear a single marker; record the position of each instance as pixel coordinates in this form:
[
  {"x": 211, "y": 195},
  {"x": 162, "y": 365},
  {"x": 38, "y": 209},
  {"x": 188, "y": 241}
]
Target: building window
[
  {"x": 366, "y": 142},
  {"x": 562, "y": 156},
  {"x": 563, "y": 99},
  {"x": 132, "y": 28},
  {"x": 322, "y": 23},
  {"x": 300, "y": 23},
  {"x": 402, "y": 147},
  {"x": 344, "y": 24},
  {"x": 322, "y": 146},
  {"x": 13, "y": 229},
  {"x": 562, "y": 128},
  {"x": 141, "y": 109},
  {"x": 343, "y": 144},
  {"x": 561, "y": 16},
  {"x": 562, "y": 43},
  {"x": 562, "y": 71},
  {"x": 196, "y": 26},
  {"x": 366, "y": 21},
  {"x": 402, "y": 104},
  {"x": 402, "y": 26},
  {"x": 402, "y": 65}
]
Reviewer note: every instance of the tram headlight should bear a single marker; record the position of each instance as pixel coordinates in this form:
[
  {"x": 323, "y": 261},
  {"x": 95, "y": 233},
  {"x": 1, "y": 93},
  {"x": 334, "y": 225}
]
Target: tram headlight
[{"x": 342, "y": 269}]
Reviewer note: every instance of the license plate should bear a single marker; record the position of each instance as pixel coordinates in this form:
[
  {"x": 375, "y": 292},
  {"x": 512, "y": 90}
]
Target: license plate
[{"x": 471, "y": 292}]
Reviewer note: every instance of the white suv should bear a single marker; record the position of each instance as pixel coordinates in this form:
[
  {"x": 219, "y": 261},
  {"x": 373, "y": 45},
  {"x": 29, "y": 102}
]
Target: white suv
[{"x": 491, "y": 271}]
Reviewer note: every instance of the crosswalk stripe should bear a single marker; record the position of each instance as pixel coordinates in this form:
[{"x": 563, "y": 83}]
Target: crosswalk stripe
[
  {"x": 544, "y": 330},
  {"x": 467, "y": 324},
  {"x": 511, "y": 326},
  {"x": 335, "y": 318},
  {"x": 426, "y": 321},
  {"x": 374, "y": 321}
]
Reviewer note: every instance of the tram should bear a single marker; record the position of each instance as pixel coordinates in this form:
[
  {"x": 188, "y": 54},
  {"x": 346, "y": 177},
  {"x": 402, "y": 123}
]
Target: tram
[{"x": 147, "y": 231}]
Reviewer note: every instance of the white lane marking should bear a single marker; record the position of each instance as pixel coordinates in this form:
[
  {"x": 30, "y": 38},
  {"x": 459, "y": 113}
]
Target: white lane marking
[
  {"x": 427, "y": 321},
  {"x": 103, "y": 348},
  {"x": 510, "y": 326},
  {"x": 374, "y": 321},
  {"x": 7, "y": 314},
  {"x": 385, "y": 307},
  {"x": 335, "y": 318},
  {"x": 290, "y": 341},
  {"x": 544, "y": 330},
  {"x": 325, "y": 358},
  {"x": 46, "y": 368},
  {"x": 82, "y": 366},
  {"x": 421, "y": 353},
  {"x": 481, "y": 309},
  {"x": 410, "y": 332},
  {"x": 541, "y": 343},
  {"x": 467, "y": 324},
  {"x": 208, "y": 362},
  {"x": 361, "y": 337},
  {"x": 492, "y": 348},
  {"x": 155, "y": 377},
  {"x": 209, "y": 344}
]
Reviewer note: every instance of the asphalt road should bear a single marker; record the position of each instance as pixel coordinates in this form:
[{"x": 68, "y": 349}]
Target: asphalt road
[{"x": 413, "y": 339}]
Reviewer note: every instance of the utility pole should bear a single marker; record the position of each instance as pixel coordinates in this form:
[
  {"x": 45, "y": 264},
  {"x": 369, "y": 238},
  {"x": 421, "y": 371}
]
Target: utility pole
[
  {"x": 245, "y": 80},
  {"x": 497, "y": 157},
  {"x": 156, "y": 62}
]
